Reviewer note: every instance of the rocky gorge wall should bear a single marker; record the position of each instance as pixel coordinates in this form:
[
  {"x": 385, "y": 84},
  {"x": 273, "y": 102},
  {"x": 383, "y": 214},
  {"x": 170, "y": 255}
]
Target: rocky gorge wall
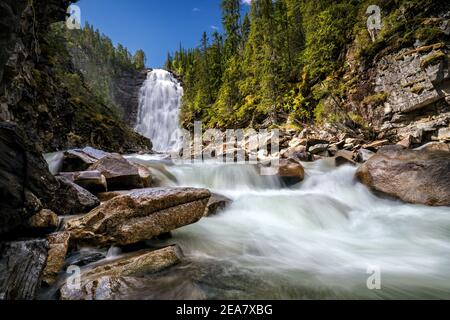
[{"x": 42, "y": 91}]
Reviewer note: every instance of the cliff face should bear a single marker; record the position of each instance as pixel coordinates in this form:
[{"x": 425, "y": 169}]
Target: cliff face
[{"x": 43, "y": 92}]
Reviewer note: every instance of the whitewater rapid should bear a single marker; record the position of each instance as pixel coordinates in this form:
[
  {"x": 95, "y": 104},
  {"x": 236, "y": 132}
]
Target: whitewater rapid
[
  {"x": 158, "y": 114},
  {"x": 319, "y": 239}
]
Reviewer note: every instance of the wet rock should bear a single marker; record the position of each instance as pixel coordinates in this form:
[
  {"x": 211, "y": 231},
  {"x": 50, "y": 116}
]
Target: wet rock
[
  {"x": 43, "y": 220},
  {"x": 406, "y": 142},
  {"x": 119, "y": 173},
  {"x": 58, "y": 246},
  {"x": 93, "y": 181},
  {"x": 364, "y": 155},
  {"x": 318, "y": 149},
  {"x": 106, "y": 196},
  {"x": 97, "y": 281},
  {"x": 216, "y": 204},
  {"x": 140, "y": 215},
  {"x": 298, "y": 154},
  {"x": 344, "y": 157},
  {"x": 81, "y": 159},
  {"x": 146, "y": 175},
  {"x": 420, "y": 177},
  {"x": 21, "y": 267},
  {"x": 72, "y": 199},
  {"x": 291, "y": 172}
]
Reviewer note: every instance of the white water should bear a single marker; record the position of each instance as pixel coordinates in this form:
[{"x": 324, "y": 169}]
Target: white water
[
  {"x": 316, "y": 240},
  {"x": 159, "y": 105}
]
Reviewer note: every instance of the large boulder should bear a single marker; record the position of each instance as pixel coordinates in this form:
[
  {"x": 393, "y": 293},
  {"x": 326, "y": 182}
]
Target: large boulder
[
  {"x": 71, "y": 199},
  {"x": 119, "y": 173},
  {"x": 291, "y": 172},
  {"x": 45, "y": 220},
  {"x": 26, "y": 185},
  {"x": 414, "y": 176},
  {"x": 58, "y": 246},
  {"x": 21, "y": 267},
  {"x": 140, "y": 215},
  {"x": 98, "y": 281}
]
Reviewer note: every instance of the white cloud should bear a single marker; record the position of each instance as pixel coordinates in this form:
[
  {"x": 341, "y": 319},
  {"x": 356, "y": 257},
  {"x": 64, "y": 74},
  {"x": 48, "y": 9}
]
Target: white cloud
[
  {"x": 196, "y": 10},
  {"x": 246, "y": 1}
]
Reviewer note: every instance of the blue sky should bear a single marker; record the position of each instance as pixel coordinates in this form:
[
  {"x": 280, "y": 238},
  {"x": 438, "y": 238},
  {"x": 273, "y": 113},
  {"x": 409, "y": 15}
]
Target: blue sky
[{"x": 156, "y": 26}]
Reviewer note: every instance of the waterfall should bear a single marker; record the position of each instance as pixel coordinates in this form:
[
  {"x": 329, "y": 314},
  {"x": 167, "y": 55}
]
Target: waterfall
[{"x": 159, "y": 106}]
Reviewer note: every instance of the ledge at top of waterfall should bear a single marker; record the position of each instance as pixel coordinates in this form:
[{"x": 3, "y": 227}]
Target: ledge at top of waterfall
[{"x": 159, "y": 107}]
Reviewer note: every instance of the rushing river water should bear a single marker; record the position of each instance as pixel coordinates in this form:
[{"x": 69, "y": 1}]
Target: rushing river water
[{"x": 318, "y": 239}]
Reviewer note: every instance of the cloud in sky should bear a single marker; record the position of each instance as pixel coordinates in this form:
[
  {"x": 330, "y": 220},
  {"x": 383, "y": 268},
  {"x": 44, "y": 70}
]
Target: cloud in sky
[
  {"x": 195, "y": 10},
  {"x": 214, "y": 27},
  {"x": 246, "y": 1}
]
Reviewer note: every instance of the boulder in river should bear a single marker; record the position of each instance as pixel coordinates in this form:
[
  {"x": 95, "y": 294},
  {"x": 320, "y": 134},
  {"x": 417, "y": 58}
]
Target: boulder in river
[
  {"x": 93, "y": 181},
  {"x": 344, "y": 157},
  {"x": 291, "y": 172},
  {"x": 81, "y": 159},
  {"x": 414, "y": 176},
  {"x": 21, "y": 267},
  {"x": 216, "y": 204},
  {"x": 58, "y": 246},
  {"x": 119, "y": 173},
  {"x": 94, "y": 284},
  {"x": 140, "y": 215}
]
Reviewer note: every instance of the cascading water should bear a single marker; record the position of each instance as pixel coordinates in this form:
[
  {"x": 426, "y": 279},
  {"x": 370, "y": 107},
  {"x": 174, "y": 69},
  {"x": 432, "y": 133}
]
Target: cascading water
[
  {"x": 159, "y": 105},
  {"x": 316, "y": 240}
]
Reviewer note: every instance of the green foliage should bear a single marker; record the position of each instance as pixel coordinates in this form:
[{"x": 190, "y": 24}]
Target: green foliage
[
  {"x": 285, "y": 60},
  {"x": 99, "y": 61}
]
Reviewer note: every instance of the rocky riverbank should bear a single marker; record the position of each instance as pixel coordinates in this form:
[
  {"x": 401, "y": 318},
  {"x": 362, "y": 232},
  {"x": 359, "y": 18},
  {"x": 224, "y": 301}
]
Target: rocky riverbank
[{"x": 136, "y": 209}]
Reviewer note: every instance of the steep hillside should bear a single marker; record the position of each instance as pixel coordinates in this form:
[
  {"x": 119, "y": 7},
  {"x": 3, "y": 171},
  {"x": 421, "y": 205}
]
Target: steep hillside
[
  {"x": 293, "y": 63},
  {"x": 42, "y": 91}
]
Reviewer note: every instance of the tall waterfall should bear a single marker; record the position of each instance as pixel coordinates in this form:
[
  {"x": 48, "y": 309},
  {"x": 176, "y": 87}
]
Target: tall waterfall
[{"x": 159, "y": 106}]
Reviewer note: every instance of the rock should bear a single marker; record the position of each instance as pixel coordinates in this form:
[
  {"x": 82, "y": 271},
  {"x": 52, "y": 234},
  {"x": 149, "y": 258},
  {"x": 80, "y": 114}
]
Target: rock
[
  {"x": 407, "y": 142},
  {"x": 344, "y": 157},
  {"x": 25, "y": 182},
  {"x": 420, "y": 177},
  {"x": 139, "y": 263},
  {"x": 318, "y": 149},
  {"x": 313, "y": 142},
  {"x": 374, "y": 146},
  {"x": 216, "y": 204},
  {"x": 106, "y": 196},
  {"x": 295, "y": 142},
  {"x": 444, "y": 134},
  {"x": 297, "y": 154},
  {"x": 58, "y": 246},
  {"x": 140, "y": 215},
  {"x": 21, "y": 267},
  {"x": 364, "y": 155},
  {"x": 93, "y": 181},
  {"x": 43, "y": 220},
  {"x": 145, "y": 174},
  {"x": 434, "y": 146},
  {"x": 291, "y": 172},
  {"x": 72, "y": 199},
  {"x": 119, "y": 173},
  {"x": 81, "y": 159}
]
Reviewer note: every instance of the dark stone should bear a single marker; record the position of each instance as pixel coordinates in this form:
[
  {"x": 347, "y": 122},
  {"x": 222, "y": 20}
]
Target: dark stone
[
  {"x": 72, "y": 199},
  {"x": 216, "y": 204},
  {"x": 21, "y": 267},
  {"x": 25, "y": 181}
]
